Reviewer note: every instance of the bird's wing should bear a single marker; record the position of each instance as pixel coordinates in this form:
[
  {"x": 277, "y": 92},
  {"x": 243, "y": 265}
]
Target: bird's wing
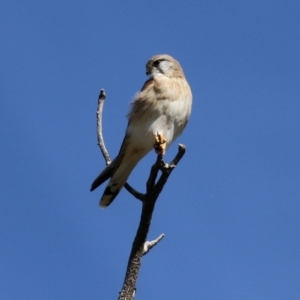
[
  {"x": 124, "y": 164},
  {"x": 104, "y": 175}
]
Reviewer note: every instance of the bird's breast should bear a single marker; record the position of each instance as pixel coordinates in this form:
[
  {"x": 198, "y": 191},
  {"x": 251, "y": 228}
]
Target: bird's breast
[{"x": 163, "y": 106}]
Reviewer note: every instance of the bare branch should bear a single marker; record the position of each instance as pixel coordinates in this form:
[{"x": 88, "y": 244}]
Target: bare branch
[
  {"x": 134, "y": 192},
  {"x": 153, "y": 191},
  {"x": 167, "y": 169},
  {"x": 101, "y": 144},
  {"x": 179, "y": 155},
  {"x": 149, "y": 245},
  {"x": 153, "y": 173}
]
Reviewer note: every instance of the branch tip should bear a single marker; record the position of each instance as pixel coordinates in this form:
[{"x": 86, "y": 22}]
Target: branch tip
[
  {"x": 149, "y": 245},
  {"x": 102, "y": 95},
  {"x": 181, "y": 147}
]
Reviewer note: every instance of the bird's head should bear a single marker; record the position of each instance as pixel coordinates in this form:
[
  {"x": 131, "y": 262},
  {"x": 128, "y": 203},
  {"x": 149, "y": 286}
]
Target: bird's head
[{"x": 163, "y": 64}]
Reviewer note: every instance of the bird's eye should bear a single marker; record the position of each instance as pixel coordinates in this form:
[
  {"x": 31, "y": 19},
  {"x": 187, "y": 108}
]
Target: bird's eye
[{"x": 156, "y": 63}]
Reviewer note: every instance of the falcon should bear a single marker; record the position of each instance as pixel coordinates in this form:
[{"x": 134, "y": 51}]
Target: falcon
[{"x": 159, "y": 114}]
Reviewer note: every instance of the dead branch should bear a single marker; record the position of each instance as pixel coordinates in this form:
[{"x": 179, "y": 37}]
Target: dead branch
[
  {"x": 101, "y": 144},
  {"x": 149, "y": 245}
]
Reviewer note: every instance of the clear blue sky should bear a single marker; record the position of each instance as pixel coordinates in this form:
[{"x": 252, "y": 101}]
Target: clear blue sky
[{"x": 230, "y": 211}]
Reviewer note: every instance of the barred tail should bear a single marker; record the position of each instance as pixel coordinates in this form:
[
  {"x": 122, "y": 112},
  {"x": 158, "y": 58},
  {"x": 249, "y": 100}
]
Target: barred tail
[
  {"x": 116, "y": 183},
  {"x": 104, "y": 175}
]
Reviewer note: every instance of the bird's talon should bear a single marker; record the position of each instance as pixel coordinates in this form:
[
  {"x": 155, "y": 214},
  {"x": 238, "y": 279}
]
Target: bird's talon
[{"x": 160, "y": 144}]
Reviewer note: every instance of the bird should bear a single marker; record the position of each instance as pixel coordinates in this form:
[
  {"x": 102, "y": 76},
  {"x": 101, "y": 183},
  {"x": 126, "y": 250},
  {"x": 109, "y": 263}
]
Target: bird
[{"x": 158, "y": 115}]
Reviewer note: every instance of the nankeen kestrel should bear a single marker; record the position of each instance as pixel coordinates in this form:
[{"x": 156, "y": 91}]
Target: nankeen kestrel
[{"x": 159, "y": 113}]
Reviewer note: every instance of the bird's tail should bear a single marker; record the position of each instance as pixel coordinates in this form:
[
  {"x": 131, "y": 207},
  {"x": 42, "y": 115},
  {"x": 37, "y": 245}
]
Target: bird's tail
[
  {"x": 116, "y": 182},
  {"x": 104, "y": 175}
]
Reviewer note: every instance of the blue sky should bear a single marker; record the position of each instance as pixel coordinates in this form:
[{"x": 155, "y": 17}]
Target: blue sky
[{"x": 230, "y": 211}]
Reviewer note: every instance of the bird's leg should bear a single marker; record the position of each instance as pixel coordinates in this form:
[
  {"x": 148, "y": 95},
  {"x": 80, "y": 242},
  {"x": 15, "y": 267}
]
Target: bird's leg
[{"x": 160, "y": 144}]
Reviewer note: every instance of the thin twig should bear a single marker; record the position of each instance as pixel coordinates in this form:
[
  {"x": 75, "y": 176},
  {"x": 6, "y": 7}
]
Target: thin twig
[
  {"x": 179, "y": 155},
  {"x": 169, "y": 168},
  {"x": 149, "y": 245},
  {"x": 101, "y": 144},
  {"x": 134, "y": 192}
]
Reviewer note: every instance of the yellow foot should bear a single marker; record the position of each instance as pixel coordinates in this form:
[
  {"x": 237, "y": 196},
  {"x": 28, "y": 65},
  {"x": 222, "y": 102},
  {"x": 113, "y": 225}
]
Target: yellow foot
[{"x": 160, "y": 144}]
